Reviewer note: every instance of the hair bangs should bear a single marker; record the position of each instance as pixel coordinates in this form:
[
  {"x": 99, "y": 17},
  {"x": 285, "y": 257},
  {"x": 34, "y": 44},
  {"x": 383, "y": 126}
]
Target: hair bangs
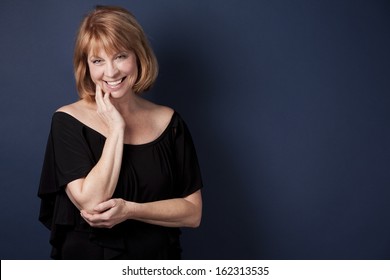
[{"x": 106, "y": 41}]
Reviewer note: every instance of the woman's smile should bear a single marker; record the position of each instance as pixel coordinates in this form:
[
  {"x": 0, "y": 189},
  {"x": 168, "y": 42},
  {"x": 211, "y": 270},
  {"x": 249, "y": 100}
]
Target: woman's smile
[{"x": 113, "y": 85}]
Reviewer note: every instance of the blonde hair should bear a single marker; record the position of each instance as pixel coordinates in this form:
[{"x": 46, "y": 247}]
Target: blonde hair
[{"x": 114, "y": 29}]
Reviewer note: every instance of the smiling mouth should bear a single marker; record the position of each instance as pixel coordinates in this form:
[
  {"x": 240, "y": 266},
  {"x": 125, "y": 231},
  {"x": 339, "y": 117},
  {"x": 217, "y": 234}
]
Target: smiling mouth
[{"x": 115, "y": 83}]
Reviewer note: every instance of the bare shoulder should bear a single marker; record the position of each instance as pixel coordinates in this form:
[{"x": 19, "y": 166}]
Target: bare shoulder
[
  {"x": 160, "y": 115},
  {"x": 77, "y": 109},
  {"x": 69, "y": 108},
  {"x": 164, "y": 113}
]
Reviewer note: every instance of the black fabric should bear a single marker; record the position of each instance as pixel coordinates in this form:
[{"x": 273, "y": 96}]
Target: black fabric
[{"x": 164, "y": 168}]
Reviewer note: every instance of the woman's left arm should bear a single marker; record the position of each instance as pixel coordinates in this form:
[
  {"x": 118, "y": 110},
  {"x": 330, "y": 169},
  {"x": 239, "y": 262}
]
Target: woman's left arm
[{"x": 176, "y": 212}]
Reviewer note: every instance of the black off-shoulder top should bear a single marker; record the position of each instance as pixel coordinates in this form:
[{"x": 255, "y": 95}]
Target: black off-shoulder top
[{"x": 162, "y": 169}]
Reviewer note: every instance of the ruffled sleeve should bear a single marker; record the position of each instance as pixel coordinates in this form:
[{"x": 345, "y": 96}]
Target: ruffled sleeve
[
  {"x": 67, "y": 158},
  {"x": 189, "y": 178},
  {"x": 48, "y": 185},
  {"x": 73, "y": 155}
]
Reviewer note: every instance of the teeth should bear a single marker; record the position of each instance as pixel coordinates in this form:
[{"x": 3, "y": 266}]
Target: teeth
[{"x": 114, "y": 83}]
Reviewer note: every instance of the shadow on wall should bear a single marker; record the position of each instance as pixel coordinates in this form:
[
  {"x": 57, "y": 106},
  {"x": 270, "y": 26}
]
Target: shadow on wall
[{"x": 186, "y": 83}]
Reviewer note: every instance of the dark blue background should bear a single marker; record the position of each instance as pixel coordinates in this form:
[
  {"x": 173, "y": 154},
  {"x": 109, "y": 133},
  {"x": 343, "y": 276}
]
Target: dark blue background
[{"x": 288, "y": 103}]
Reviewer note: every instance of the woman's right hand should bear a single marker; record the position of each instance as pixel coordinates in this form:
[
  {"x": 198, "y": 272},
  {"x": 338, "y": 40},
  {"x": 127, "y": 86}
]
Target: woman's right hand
[
  {"x": 107, "y": 111},
  {"x": 100, "y": 183}
]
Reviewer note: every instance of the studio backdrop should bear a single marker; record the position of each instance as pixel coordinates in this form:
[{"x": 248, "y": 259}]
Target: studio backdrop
[{"x": 288, "y": 103}]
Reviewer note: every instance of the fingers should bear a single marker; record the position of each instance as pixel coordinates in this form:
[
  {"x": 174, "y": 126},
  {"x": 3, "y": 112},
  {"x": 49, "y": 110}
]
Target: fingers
[
  {"x": 107, "y": 111},
  {"x": 101, "y": 219},
  {"x": 104, "y": 206},
  {"x": 100, "y": 98},
  {"x": 98, "y": 92},
  {"x": 92, "y": 220},
  {"x": 106, "y": 98}
]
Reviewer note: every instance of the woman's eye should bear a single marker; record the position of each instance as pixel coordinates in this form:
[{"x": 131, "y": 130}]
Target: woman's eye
[
  {"x": 96, "y": 61},
  {"x": 121, "y": 56}
]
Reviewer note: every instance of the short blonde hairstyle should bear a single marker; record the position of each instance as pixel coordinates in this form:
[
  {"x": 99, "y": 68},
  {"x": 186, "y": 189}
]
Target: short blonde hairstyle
[{"x": 114, "y": 29}]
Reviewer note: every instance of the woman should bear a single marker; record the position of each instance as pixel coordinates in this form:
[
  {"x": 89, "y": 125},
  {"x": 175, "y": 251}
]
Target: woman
[{"x": 120, "y": 175}]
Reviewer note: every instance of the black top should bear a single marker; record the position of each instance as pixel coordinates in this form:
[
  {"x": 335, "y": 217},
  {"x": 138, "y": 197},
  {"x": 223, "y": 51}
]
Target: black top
[{"x": 162, "y": 169}]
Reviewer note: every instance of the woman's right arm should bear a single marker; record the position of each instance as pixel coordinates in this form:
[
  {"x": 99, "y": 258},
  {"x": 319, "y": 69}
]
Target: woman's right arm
[{"x": 99, "y": 185}]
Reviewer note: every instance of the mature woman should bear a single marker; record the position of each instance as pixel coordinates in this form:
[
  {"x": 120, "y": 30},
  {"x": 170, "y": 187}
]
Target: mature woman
[{"x": 120, "y": 175}]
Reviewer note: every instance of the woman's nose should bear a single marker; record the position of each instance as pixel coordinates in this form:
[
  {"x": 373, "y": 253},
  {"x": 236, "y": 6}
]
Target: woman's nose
[{"x": 111, "y": 70}]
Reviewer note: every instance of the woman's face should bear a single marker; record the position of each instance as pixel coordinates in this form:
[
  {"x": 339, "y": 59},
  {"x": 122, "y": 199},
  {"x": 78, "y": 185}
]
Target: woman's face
[{"x": 115, "y": 73}]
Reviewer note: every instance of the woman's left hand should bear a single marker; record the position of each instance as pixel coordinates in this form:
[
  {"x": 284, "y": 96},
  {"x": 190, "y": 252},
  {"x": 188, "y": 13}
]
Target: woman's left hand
[{"x": 107, "y": 214}]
